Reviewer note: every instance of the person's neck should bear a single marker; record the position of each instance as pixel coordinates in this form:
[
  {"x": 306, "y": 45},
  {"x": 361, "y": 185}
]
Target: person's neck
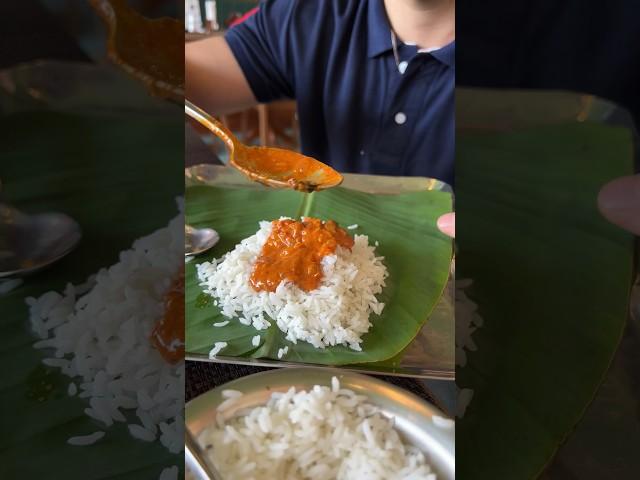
[{"x": 427, "y": 23}]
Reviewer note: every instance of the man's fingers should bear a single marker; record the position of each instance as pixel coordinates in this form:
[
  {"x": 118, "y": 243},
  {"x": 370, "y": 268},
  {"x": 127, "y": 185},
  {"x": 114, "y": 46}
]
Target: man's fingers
[
  {"x": 447, "y": 224},
  {"x": 619, "y": 202}
]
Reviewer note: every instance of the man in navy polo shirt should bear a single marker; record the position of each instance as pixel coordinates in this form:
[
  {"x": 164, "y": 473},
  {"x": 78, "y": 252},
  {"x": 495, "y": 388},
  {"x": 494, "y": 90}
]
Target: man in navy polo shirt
[{"x": 373, "y": 79}]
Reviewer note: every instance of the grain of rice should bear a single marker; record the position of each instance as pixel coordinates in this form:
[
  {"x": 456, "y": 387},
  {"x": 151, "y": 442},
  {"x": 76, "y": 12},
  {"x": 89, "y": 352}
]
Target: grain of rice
[
  {"x": 221, "y": 324},
  {"x": 228, "y": 403},
  {"x": 55, "y": 362},
  {"x": 169, "y": 473},
  {"x": 72, "y": 389},
  {"x": 141, "y": 433},
  {"x": 282, "y": 352},
  {"x": 7, "y": 286},
  {"x": 217, "y": 348},
  {"x": 231, "y": 393},
  {"x": 352, "y": 227},
  {"x": 255, "y": 341},
  {"x": 86, "y": 439}
]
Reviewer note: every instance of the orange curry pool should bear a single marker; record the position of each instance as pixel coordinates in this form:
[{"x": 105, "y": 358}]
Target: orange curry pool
[
  {"x": 168, "y": 334},
  {"x": 294, "y": 252}
]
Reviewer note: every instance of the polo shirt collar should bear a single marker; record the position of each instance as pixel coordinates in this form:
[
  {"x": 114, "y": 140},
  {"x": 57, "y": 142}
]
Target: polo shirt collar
[
  {"x": 379, "y": 30},
  {"x": 446, "y": 54},
  {"x": 379, "y": 36}
]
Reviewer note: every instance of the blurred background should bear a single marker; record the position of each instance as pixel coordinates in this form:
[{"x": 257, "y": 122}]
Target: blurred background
[{"x": 69, "y": 30}]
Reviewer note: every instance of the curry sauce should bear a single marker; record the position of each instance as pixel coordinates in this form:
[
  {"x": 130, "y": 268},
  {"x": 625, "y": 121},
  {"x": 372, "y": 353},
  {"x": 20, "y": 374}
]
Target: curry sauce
[
  {"x": 297, "y": 171},
  {"x": 294, "y": 252},
  {"x": 168, "y": 334}
]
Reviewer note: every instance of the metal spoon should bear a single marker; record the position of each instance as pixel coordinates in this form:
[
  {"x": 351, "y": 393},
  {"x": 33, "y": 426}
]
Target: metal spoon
[
  {"x": 199, "y": 240},
  {"x": 31, "y": 242},
  {"x": 275, "y": 167}
]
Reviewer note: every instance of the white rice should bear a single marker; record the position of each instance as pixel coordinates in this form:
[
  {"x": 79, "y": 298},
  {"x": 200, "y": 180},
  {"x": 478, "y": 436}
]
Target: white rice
[
  {"x": 228, "y": 403},
  {"x": 352, "y": 227},
  {"x": 255, "y": 341},
  {"x": 221, "y": 324},
  {"x": 141, "y": 433},
  {"x": 7, "y": 286},
  {"x": 231, "y": 393},
  {"x": 282, "y": 352},
  {"x": 169, "y": 473},
  {"x": 336, "y": 313},
  {"x": 86, "y": 439},
  {"x": 325, "y": 433},
  {"x": 98, "y": 335},
  {"x": 217, "y": 348}
]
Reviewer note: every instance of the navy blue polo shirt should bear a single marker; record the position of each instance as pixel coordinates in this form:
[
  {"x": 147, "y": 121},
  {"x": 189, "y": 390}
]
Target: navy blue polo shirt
[{"x": 357, "y": 110}]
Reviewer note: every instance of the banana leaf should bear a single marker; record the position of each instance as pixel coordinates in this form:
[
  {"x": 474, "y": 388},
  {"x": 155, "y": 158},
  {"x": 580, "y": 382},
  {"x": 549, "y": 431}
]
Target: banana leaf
[
  {"x": 416, "y": 254},
  {"x": 552, "y": 280},
  {"x": 118, "y": 176}
]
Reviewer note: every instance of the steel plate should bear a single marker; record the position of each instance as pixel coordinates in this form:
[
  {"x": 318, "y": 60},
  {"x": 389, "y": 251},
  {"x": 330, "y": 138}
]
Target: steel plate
[{"x": 413, "y": 416}]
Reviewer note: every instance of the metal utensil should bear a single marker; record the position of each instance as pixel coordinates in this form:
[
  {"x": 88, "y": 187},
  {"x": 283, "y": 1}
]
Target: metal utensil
[
  {"x": 274, "y": 167},
  {"x": 197, "y": 460},
  {"x": 29, "y": 243},
  {"x": 199, "y": 240}
]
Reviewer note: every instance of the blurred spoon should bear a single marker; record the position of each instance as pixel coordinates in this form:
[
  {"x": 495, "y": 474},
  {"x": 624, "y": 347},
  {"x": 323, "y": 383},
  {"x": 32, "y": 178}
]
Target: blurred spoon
[
  {"x": 29, "y": 243},
  {"x": 275, "y": 167},
  {"x": 199, "y": 240}
]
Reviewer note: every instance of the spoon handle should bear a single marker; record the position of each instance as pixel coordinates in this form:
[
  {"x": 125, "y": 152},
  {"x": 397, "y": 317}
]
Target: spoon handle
[{"x": 211, "y": 124}]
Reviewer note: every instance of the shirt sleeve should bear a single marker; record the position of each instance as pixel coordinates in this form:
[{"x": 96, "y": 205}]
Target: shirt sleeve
[{"x": 261, "y": 46}]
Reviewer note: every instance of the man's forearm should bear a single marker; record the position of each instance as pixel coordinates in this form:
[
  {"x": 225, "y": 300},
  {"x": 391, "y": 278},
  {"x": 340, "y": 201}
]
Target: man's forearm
[{"x": 214, "y": 80}]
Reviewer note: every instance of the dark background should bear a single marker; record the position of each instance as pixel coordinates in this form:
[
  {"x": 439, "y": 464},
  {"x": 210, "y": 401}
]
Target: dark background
[{"x": 581, "y": 45}]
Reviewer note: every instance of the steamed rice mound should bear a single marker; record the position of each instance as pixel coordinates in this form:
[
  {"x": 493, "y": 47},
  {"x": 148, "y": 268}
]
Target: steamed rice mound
[{"x": 336, "y": 313}]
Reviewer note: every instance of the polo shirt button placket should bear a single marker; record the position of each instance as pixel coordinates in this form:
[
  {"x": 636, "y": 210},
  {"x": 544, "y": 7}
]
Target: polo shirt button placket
[{"x": 400, "y": 118}]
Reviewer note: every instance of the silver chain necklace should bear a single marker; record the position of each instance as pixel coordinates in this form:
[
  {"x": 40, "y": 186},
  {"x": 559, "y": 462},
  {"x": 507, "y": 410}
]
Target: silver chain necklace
[{"x": 394, "y": 45}]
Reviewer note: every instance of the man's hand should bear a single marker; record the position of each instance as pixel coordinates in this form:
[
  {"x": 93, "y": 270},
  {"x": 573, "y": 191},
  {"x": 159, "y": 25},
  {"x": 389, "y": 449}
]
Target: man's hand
[
  {"x": 619, "y": 202},
  {"x": 447, "y": 224}
]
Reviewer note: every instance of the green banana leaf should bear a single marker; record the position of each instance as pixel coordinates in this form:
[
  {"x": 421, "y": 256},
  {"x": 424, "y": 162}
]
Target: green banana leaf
[
  {"x": 118, "y": 176},
  {"x": 552, "y": 281},
  {"x": 416, "y": 254}
]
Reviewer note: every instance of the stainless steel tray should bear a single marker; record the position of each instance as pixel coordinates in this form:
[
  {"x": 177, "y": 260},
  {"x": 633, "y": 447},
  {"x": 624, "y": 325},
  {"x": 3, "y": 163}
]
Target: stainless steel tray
[
  {"x": 413, "y": 416},
  {"x": 432, "y": 352}
]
